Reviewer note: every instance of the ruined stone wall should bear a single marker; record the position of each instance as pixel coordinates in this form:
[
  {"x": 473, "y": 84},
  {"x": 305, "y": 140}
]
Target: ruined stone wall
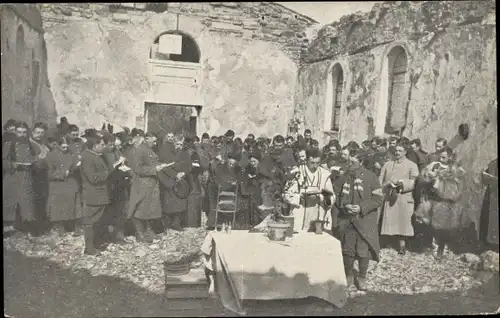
[
  {"x": 99, "y": 67},
  {"x": 26, "y": 94},
  {"x": 451, "y": 48}
]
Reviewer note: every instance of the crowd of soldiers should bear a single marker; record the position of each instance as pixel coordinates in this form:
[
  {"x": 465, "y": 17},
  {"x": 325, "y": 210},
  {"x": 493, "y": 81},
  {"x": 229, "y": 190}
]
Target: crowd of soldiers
[{"x": 96, "y": 183}]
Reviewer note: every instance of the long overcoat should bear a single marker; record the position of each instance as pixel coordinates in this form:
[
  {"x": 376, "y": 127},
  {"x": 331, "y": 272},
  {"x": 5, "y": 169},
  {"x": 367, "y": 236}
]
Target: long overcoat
[
  {"x": 398, "y": 209},
  {"x": 94, "y": 174},
  {"x": 488, "y": 230},
  {"x": 64, "y": 195},
  {"x": 144, "y": 201},
  {"x": 361, "y": 187},
  {"x": 18, "y": 183}
]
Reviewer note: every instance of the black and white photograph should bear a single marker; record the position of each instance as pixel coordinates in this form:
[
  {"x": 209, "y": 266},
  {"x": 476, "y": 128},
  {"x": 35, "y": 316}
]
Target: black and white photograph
[{"x": 226, "y": 159}]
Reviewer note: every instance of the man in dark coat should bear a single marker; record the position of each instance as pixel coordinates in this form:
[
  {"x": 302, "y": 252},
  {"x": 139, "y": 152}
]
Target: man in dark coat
[
  {"x": 119, "y": 186},
  {"x": 355, "y": 218},
  {"x": 144, "y": 203},
  {"x": 75, "y": 143},
  {"x": 40, "y": 176},
  {"x": 174, "y": 204},
  {"x": 193, "y": 216},
  {"x": 64, "y": 202},
  {"x": 18, "y": 158},
  {"x": 95, "y": 189},
  {"x": 421, "y": 156},
  {"x": 488, "y": 231}
]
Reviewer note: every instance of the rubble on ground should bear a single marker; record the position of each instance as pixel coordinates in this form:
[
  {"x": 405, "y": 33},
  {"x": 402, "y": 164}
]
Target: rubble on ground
[{"x": 143, "y": 263}]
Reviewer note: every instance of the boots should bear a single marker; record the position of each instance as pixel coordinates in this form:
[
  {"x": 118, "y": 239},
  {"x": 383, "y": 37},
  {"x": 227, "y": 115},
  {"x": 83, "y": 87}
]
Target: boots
[
  {"x": 140, "y": 232},
  {"x": 149, "y": 231},
  {"x": 119, "y": 232},
  {"x": 58, "y": 229},
  {"x": 348, "y": 267},
  {"x": 402, "y": 247},
  {"x": 88, "y": 232},
  {"x": 176, "y": 223},
  {"x": 363, "y": 269},
  {"x": 78, "y": 228}
]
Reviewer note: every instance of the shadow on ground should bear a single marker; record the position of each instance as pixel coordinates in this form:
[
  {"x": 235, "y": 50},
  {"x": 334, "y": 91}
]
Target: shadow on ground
[{"x": 40, "y": 288}]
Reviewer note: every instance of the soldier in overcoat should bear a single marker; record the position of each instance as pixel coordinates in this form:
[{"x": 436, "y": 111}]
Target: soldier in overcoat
[
  {"x": 64, "y": 200},
  {"x": 95, "y": 190},
  {"x": 144, "y": 202},
  {"x": 18, "y": 158},
  {"x": 355, "y": 217}
]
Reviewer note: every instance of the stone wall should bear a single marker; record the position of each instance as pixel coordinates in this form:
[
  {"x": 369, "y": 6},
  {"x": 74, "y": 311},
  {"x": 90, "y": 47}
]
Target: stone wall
[
  {"x": 451, "y": 48},
  {"x": 26, "y": 94},
  {"x": 99, "y": 61}
]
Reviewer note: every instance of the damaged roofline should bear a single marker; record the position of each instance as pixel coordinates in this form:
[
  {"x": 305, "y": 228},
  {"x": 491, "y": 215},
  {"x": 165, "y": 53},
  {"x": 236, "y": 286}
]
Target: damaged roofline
[{"x": 297, "y": 13}]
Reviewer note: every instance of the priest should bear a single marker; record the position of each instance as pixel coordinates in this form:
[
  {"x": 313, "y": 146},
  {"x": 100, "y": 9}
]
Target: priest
[{"x": 310, "y": 193}]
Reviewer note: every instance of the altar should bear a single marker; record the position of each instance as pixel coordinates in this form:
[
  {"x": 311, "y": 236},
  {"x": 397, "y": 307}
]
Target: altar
[{"x": 249, "y": 266}]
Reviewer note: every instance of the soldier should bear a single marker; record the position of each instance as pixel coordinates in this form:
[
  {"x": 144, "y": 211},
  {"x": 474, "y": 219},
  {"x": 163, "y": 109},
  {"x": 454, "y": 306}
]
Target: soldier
[
  {"x": 9, "y": 131},
  {"x": 75, "y": 143},
  {"x": 144, "y": 202},
  {"x": 18, "y": 158},
  {"x": 40, "y": 176},
  {"x": 439, "y": 145},
  {"x": 95, "y": 190},
  {"x": 64, "y": 195},
  {"x": 354, "y": 218}
]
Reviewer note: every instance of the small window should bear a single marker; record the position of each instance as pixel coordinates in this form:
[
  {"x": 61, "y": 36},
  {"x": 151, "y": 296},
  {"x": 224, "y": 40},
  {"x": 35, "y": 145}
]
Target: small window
[
  {"x": 190, "y": 51},
  {"x": 398, "y": 91},
  {"x": 338, "y": 90}
]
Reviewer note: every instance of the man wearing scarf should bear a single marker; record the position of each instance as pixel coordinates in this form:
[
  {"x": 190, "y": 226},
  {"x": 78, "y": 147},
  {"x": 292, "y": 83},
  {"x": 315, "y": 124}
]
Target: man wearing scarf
[
  {"x": 355, "y": 217},
  {"x": 310, "y": 193},
  {"x": 18, "y": 158}
]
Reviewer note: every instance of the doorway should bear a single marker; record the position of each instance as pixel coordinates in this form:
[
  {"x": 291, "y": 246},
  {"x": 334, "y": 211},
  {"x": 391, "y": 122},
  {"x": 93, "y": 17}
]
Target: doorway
[{"x": 179, "y": 119}]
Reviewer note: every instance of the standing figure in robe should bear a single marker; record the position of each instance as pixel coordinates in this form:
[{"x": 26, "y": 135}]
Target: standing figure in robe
[
  {"x": 310, "y": 193},
  {"x": 398, "y": 179}
]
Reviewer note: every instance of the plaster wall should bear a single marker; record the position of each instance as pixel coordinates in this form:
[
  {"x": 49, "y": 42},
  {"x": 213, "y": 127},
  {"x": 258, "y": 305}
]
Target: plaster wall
[{"x": 451, "y": 75}]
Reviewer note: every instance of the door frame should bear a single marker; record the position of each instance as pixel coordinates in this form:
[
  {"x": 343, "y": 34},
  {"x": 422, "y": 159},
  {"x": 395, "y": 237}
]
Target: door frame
[{"x": 147, "y": 103}]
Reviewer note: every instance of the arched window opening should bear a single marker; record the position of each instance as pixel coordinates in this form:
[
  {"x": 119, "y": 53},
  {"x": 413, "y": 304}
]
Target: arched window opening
[
  {"x": 338, "y": 89},
  {"x": 398, "y": 91},
  {"x": 190, "y": 51}
]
